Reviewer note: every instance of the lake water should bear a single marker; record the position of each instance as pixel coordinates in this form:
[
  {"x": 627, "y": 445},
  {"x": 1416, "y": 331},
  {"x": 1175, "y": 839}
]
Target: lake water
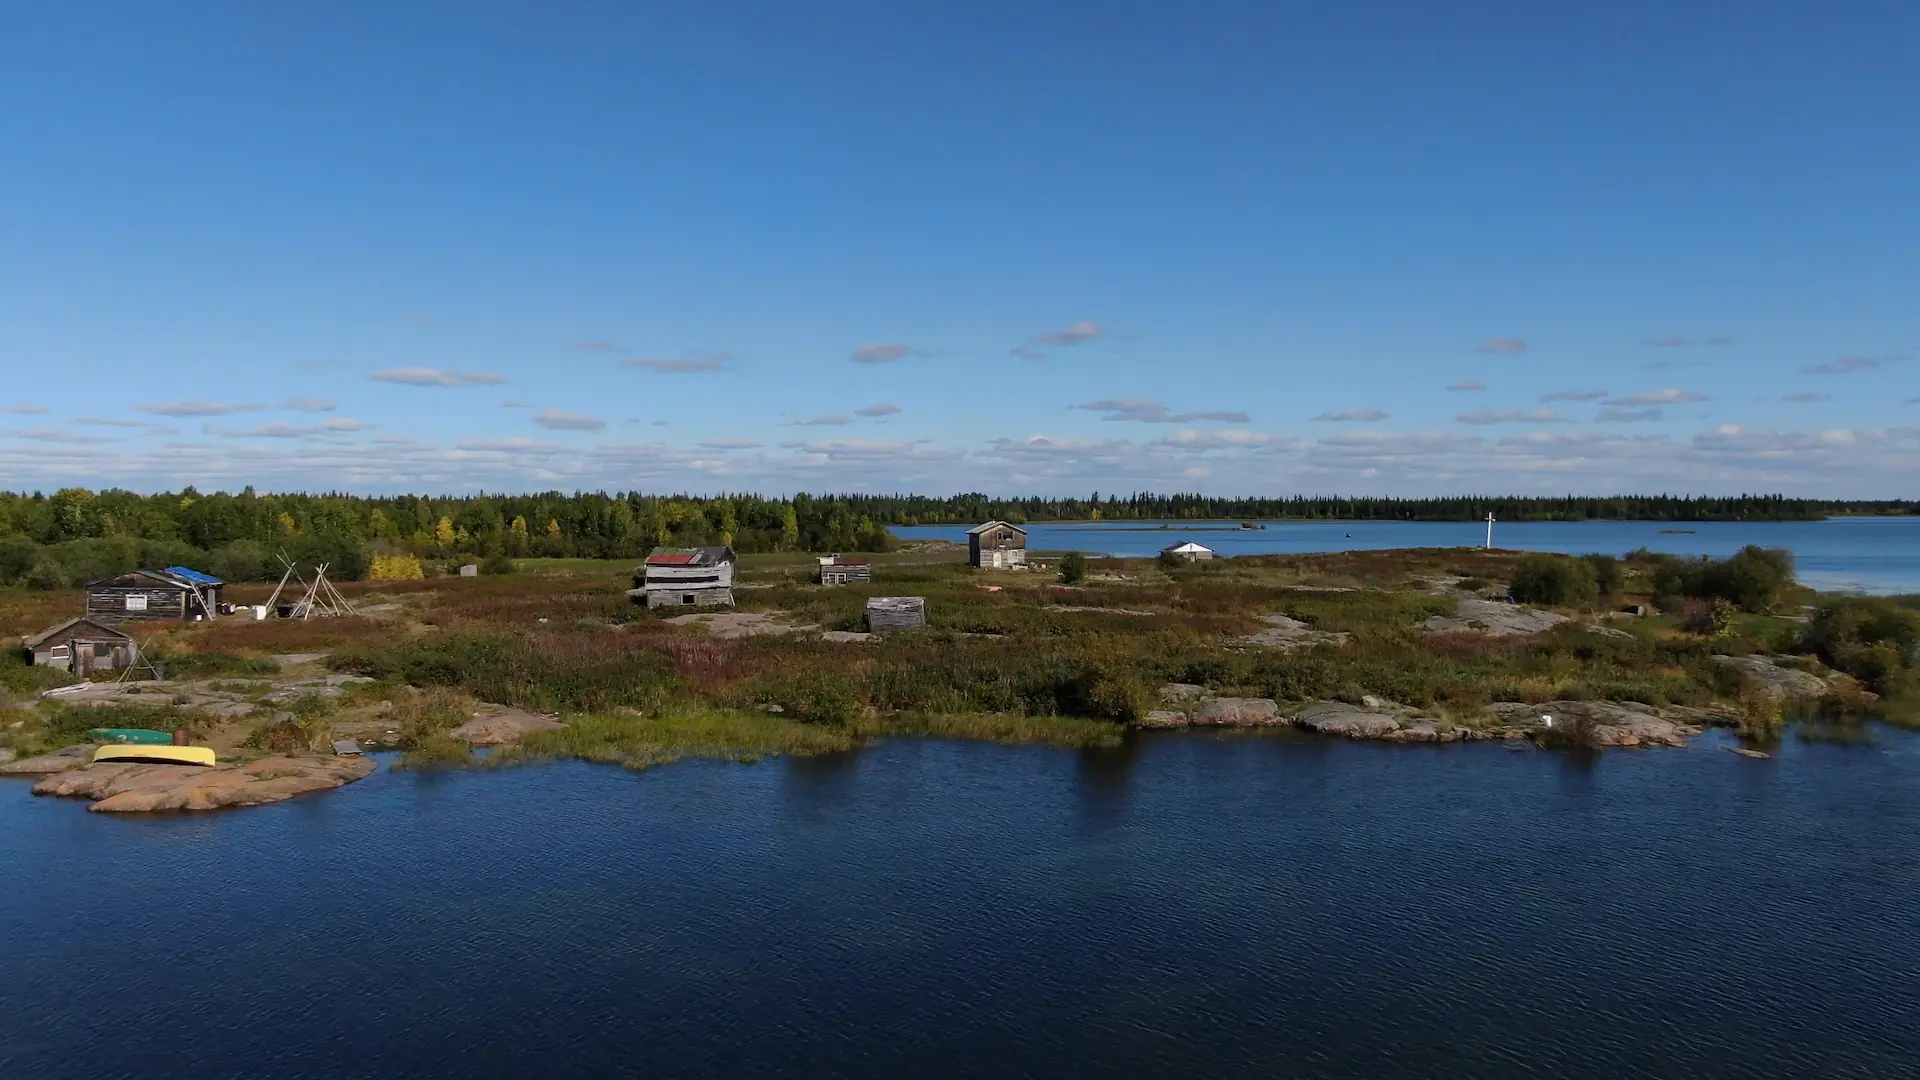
[
  {"x": 1879, "y": 555},
  {"x": 1191, "y": 906}
]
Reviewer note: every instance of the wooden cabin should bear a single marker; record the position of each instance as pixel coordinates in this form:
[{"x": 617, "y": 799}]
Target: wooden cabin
[
  {"x": 147, "y": 594},
  {"x": 997, "y": 545},
  {"x": 685, "y": 577},
  {"x": 82, "y": 646},
  {"x": 841, "y": 570},
  {"x": 886, "y": 613},
  {"x": 1188, "y": 550}
]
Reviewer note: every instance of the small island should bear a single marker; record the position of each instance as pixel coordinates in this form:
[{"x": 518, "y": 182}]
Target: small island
[{"x": 558, "y": 661}]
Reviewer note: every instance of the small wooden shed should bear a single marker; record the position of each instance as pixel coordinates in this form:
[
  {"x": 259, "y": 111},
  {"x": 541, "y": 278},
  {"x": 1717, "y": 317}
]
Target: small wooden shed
[
  {"x": 997, "y": 545},
  {"x": 886, "y": 613},
  {"x": 80, "y": 645},
  {"x": 146, "y": 594},
  {"x": 841, "y": 570}
]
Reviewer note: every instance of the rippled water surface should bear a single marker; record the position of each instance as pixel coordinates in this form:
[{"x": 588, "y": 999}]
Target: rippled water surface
[
  {"x": 1190, "y": 907},
  {"x": 1876, "y": 555}
]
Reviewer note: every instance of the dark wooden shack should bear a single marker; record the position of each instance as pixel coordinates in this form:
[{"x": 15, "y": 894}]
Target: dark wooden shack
[
  {"x": 886, "y": 613},
  {"x": 997, "y": 545},
  {"x": 82, "y": 646},
  {"x": 842, "y": 570},
  {"x": 145, "y": 594}
]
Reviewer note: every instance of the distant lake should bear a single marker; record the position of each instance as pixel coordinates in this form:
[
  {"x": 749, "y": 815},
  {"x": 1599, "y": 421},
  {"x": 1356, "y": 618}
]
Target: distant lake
[
  {"x": 1189, "y": 906},
  {"x": 1875, "y": 555}
]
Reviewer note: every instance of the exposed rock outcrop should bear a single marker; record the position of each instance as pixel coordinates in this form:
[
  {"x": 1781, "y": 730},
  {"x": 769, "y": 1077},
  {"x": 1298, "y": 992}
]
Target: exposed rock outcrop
[
  {"x": 496, "y": 725},
  {"x": 1494, "y": 619},
  {"x": 1773, "y": 680},
  {"x": 1596, "y": 723},
  {"x": 1287, "y": 633},
  {"x": 71, "y": 757},
  {"x": 1350, "y": 721},
  {"x": 132, "y": 788}
]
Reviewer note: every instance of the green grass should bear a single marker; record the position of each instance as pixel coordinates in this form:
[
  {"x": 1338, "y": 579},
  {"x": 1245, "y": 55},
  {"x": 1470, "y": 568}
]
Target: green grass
[{"x": 642, "y": 742}]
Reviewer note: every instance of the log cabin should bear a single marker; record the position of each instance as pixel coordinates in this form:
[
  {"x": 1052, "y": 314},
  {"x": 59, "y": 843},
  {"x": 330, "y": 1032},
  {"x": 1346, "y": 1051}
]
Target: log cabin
[
  {"x": 685, "y": 577},
  {"x": 80, "y": 645}
]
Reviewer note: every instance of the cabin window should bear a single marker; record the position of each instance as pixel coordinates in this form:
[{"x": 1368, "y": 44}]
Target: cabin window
[
  {"x": 102, "y": 649},
  {"x": 137, "y": 602},
  {"x": 686, "y": 598}
]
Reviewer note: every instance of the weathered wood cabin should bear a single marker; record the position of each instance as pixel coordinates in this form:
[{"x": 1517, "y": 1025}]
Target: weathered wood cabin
[
  {"x": 841, "y": 570},
  {"x": 149, "y": 594},
  {"x": 997, "y": 545},
  {"x": 1188, "y": 550},
  {"x": 80, "y": 645},
  {"x": 685, "y": 577},
  {"x": 886, "y": 613}
]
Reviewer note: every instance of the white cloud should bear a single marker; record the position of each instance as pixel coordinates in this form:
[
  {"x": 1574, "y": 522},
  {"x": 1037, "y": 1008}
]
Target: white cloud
[
  {"x": 280, "y": 430},
  {"x": 61, "y": 435},
  {"x": 100, "y": 421},
  {"x": 669, "y": 365},
  {"x": 198, "y": 407},
  {"x": 879, "y": 409},
  {"x": 824, "y": 420},
  {"x": 27, "y": 408},
  {"x": 1512, "y": 416},
  {"x": 515, "y": 445},
  {"x": 1144, "y": 411},
  {"x": 1188, "y": 439},
  {"x": 883, "y": 352},
  {"x": 599, "y": 346},
  {"x": 1503, "y": 346},
  {"x": 1079, "y": 332},
  {"x": 729, "y": 444},
  {"x": 1675, "y": 342},
  {"x": 561, "y": 420},
  {"x": 1845, "y": 365},
  {"x": 1574, "y": 395},
  {"x": 1465, "y": 385},
  {"x": 1627, "y": 416},
  {"x": 1351, "y": 416},
  {"x": 422, "y": 376},
  {"x": 1806, "y": 397},
  {"x": 1669, "y": 396}
]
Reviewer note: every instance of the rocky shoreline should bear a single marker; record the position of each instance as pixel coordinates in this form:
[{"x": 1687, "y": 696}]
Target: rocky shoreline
[
  {"x": 1590, "y": 723},
  {"x": 124, "y": 787}
]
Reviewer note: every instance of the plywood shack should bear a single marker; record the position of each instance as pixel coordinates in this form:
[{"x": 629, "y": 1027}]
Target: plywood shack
[
  {"x": 885, "y": 613},
  {"x": 997, "y": 545},
  {"x": 144, "y": 594},
  {"x": 842, "y": 570},
  {"x": 82, "y": 646},
  {"x": 685, "y": 577}
]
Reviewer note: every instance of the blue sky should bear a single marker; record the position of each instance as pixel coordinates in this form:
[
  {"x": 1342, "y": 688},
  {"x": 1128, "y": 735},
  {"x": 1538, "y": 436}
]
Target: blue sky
[{"x": 1236, "y": 248}]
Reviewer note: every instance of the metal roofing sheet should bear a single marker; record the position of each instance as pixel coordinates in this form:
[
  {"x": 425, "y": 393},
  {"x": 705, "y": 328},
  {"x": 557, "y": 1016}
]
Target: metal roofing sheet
[
  {"x": 194, "y": 576},
  {"x": 670, "y": 560}
]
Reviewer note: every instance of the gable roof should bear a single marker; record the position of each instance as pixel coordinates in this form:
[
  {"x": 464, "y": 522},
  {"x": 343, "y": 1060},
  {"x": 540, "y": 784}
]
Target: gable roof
[
  {"x": 697, "y": 556},
  {"x": 195, "y": 576},
  {"x": 159, "y": 576},
  {"x": 1185, "y": 547},
  {"x": 107, "y": 631},
  {"x": 978, "y": 529}
]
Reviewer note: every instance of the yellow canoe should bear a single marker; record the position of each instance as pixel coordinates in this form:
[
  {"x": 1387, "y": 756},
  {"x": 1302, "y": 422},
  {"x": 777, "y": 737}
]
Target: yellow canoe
[{"x": 155, "y": 755}]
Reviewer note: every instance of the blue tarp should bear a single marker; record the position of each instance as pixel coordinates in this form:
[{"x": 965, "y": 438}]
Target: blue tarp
[{"x": 194, "y": 576}]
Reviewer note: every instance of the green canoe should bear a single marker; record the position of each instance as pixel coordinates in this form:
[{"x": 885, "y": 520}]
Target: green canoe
[{"x": 129, "y": 735}]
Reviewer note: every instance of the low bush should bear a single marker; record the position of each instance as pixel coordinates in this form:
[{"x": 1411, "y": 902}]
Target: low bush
[{"x": 1554, "y": 580}]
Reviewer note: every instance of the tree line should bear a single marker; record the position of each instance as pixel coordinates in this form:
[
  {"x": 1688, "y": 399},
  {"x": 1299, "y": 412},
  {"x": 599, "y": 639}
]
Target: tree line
[{"x": 75, "y": 531}]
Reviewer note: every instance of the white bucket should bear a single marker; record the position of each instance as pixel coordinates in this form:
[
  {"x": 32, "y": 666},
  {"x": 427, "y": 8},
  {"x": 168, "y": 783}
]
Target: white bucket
[{"x": 259, "y": 612}]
